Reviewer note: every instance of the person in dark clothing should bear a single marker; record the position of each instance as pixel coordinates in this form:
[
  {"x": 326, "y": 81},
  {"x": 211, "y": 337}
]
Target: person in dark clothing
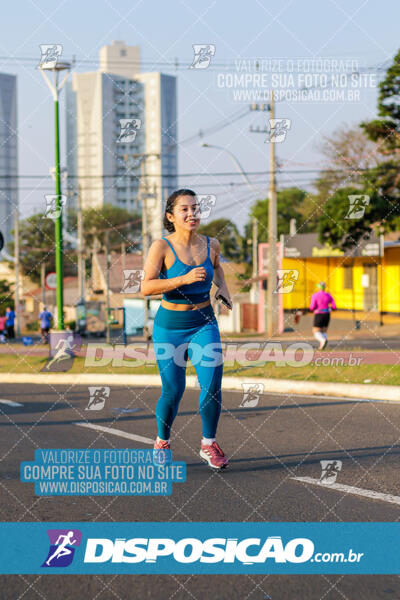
[{"x": 10, "y": 315}]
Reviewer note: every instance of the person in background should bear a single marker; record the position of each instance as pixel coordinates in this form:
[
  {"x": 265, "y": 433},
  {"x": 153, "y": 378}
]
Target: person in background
[
  {"x": 10, "y": 316},
  {"x": 3, "y": 330},
  {"x": 45, "y": 318},
  {"x": 321, "y": 305}
]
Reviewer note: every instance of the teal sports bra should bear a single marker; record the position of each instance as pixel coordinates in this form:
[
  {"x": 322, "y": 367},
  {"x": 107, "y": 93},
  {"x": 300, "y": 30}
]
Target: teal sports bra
[{"x": 192, "y": 293}]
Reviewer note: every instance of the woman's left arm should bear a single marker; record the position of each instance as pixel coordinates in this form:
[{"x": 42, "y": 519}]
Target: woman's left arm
[{"x": 219, "y": 276}]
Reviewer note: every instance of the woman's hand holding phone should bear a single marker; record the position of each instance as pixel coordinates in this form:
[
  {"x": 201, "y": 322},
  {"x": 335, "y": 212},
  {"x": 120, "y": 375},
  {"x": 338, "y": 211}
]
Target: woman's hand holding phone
[{"x": 224, "y": 297}]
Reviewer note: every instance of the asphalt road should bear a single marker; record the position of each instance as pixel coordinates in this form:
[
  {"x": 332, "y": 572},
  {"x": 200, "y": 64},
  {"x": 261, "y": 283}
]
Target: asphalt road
[{"x": 281, "y": 438}]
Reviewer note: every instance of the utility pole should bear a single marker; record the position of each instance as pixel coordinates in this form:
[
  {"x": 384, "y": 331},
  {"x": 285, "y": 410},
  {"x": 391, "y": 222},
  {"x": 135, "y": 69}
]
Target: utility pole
[
  {"x": 255, "y": 261},
  {"x": 43, "y": 282},
  {"x": 123, "y": 255},
  {"x": 145, "y": 242},
  {"x": 272, "y": 237},
  {"x": 381, "y": 255},
  {"x": 81, "y": 266},
  {"x": 144, "y": 196},
  {"x": 107, "y": 285},
  {"x": 16, "y": 245},
  {"x": 271, "y": 315}
]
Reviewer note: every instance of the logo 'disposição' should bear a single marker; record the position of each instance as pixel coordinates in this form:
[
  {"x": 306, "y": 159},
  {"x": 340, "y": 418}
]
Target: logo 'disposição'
[{"x": 63, "y": 543}]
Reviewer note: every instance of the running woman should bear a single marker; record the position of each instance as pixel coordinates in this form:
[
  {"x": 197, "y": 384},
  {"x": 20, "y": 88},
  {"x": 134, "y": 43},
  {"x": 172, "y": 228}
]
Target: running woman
[
  {"x": 321, "y": 305},
  {"x": 182, "y": 267}
]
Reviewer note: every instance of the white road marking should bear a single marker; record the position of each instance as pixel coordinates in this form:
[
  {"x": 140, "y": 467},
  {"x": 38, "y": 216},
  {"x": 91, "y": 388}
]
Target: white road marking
[
  {"x": 340, "y": 487},
  {"x": 124, "y": 434},
  {"x": 316, "y": 397},
  {"x": 10, "y": 402}
]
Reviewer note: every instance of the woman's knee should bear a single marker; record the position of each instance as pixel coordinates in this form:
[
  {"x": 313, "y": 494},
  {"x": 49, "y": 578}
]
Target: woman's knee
[{"x": 172, "y": 394}]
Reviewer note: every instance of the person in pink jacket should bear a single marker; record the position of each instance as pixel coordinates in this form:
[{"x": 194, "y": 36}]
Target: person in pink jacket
[{"x": 321, "y": 305}]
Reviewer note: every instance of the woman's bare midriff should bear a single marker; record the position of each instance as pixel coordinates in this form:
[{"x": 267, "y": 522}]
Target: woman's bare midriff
[{"x": 173, "y": 306}]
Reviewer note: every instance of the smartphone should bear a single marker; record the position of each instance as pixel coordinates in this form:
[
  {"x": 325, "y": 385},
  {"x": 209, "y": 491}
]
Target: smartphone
[{"x": 224, "y": 301}]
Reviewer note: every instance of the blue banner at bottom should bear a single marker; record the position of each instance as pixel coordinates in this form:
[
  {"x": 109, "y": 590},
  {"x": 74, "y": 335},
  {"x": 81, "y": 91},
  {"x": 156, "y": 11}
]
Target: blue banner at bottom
[{"x": 202, "y": 548}]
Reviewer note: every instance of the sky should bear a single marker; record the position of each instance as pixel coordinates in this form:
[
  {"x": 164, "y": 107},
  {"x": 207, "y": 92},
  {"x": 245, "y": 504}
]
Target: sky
[{"x": 284, "y": 37}]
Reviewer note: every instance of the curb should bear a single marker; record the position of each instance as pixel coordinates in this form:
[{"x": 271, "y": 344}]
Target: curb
[{"x": 282, "y": 386}]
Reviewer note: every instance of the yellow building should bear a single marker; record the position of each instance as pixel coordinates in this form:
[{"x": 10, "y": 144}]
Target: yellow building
[{"x": 364, "y": 281}]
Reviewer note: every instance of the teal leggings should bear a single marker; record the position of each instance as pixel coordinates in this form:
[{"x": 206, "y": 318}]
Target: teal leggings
[{"x": 177, "y": 336}]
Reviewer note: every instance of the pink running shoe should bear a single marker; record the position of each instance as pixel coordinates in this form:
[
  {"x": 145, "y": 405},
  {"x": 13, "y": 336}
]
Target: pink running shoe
[
  {"x": 161, "y": 444},
  {"x": 214, "y": 456},
  {"x": 162, "y": 452}
]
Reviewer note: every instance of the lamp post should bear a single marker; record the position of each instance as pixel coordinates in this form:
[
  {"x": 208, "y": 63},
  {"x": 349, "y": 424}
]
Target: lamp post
[{"x": 55, "y": 87}]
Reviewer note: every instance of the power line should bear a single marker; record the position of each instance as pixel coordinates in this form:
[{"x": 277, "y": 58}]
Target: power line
[
  {"x": 217, "y": 127},
  {"x": 177, "y": 175},
  {"x": 178, "y": 64}
]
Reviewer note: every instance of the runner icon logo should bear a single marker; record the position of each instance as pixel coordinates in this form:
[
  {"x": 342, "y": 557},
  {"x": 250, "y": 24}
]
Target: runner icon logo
[
  {"x": 50, "y": 55},
  {"x": 54, "y": 206},
  {"x": 97, "y": 397},
  {"x": 63, "y": 347},
  {"x": 132, "y": 281},
  {"x": 278, "y": 129},
  {"x": 206, "y": 203},
  {"x": 286, "y": 280},
  {"x": 251, "y": 394},
  {"x": 202, "y": 55},
  {"x": 129, "y": 129},
  {"x": 63, "y": 543},
  {"x": 330, "y": 470},
  {"x": 357, "y": 206}
]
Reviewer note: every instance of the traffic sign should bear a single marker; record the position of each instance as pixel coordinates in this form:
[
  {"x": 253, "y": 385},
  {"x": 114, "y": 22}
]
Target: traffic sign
[{"x": 51, "y": 281}]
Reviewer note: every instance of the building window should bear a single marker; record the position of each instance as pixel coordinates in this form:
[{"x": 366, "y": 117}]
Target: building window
[
  {"x": 122, "y": 52},
  {"x": 348, "y": 277}
]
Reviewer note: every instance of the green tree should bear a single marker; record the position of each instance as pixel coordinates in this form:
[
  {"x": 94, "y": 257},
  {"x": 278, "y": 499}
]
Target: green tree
[
  {"x": 348, "y": 152},
  {"x": 337, "y": 225},
  {"x": 122, "y": 225},
  {"x": 380, "y": 179},
  {"x": 386, "y": 130},
  {"x": 37, "y": 246},
  {"x": 228, "y": 236},
  {"x": 289, "y": 203},
  {"x": 384, "y": 178},
  {"x": 37, "y": 237}
]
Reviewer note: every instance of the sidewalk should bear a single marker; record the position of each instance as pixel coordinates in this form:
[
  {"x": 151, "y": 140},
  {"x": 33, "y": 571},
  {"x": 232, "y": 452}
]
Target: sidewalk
[
  {"x": 339, "y": 328},
  {"x": 380, "y": 393}
]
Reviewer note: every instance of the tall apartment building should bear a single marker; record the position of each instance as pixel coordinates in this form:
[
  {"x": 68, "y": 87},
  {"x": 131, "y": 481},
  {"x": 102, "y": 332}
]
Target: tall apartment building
[
  {"x": 101, "y": 147},
  {"x": 8, "y": 154}
]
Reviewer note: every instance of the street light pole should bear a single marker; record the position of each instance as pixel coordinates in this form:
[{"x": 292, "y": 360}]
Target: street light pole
[
  {"x": 55, "y": 88},
  {"x": 58, "y": 223}
]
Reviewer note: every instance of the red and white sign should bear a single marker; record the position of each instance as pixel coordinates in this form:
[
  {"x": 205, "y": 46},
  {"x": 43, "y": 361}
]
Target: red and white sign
[{"x": 51, "y": 281}]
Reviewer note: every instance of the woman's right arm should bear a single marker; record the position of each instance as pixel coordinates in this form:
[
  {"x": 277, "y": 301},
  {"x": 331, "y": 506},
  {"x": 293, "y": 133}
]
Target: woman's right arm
[{"x": 152, "y": 285}]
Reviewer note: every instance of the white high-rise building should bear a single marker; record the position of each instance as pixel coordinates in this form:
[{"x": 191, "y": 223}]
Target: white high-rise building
[
  {"x": 121, "y": 135},
  {"x": 8, "y": 154}
]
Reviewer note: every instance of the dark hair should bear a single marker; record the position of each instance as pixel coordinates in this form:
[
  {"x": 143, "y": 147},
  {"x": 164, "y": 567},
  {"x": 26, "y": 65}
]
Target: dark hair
[{"x": 169, "y": 207}]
